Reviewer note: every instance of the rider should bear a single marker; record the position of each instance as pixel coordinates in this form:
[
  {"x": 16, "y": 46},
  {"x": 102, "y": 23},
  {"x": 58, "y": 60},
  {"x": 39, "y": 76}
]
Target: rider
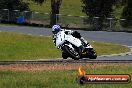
[{"x": 57, "y": 28}]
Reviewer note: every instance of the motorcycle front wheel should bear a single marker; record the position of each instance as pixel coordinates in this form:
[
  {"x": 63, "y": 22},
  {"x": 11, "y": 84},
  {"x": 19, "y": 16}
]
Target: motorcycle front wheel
[
  {"x": 72, "y": 52},
  {"x": 92, "y": 54}
]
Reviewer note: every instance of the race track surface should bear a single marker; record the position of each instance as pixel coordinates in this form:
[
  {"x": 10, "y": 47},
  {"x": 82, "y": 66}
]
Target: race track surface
[{"x": 101, "y": 36}]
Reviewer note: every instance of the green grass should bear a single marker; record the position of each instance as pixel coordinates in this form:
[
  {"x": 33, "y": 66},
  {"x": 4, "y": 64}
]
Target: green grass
[
  {"x": 72, "y": 7},
  {"x": 59, "y": 79},
  {"x": 108, "y": 48},
  {"x": 69, "y": 7},
  {"x": 19, "y": 46},
  {"x": 15, "y": 46}
]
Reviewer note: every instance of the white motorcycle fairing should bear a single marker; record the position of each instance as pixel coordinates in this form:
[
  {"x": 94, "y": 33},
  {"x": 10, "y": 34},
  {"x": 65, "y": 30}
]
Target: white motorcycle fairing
[{"x": 61, "y": 37}]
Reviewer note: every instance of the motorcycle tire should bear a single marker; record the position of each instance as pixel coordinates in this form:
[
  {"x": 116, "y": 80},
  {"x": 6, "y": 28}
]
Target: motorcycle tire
[
  {"x": 72, "y": 53},
  {"x": 64, "y": 55},
  {"x": 92, "y": 54}
]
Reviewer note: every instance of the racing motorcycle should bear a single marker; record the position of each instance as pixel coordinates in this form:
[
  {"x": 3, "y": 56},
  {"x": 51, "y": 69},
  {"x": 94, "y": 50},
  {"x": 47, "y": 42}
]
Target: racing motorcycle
[{"x": 73, "y": 47}]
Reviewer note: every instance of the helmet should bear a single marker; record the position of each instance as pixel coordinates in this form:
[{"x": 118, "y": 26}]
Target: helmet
[{"x": 56, "y": 29}]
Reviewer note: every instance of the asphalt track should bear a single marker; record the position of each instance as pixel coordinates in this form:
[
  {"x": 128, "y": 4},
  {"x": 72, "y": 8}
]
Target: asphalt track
[
  {"x": 83, "y": 61},
  {"x": 101, "y": 36}
]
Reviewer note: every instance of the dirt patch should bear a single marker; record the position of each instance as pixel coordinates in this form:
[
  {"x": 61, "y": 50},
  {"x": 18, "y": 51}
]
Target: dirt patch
[{"x": 43, "y": 67}]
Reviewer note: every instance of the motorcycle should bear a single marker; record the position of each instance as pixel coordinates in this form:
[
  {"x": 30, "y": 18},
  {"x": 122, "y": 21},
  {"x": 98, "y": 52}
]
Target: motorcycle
[{"x": 73, "y": 47}]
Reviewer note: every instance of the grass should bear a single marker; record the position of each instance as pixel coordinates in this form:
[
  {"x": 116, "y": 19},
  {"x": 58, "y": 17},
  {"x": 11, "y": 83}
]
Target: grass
[
  {"x": 67, "y": 7},
  {"x": 108, "y": 48},
  {"x": 59, "y": 79},
  {"x": 15, "y": 46},
  {"x": 8, "y": 25},
  {"x": 71, "y": 7},
  {"x": 19, "y": 46}
]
